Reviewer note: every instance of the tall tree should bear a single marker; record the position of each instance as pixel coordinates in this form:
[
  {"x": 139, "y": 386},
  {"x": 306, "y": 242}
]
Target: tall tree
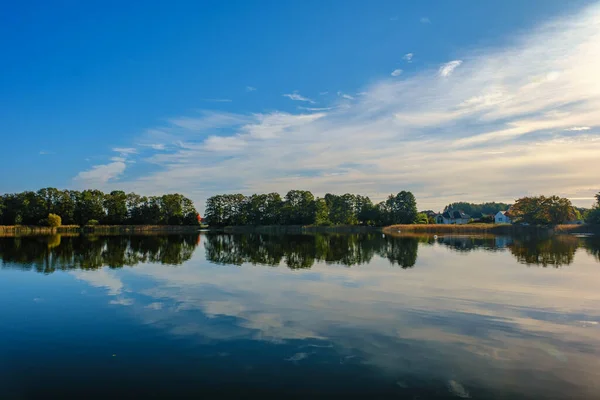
[
  {"x": 401, "y": 208},
  {"x": 298, "y": 208},
  {"x": 89, "y": 206},
  {"x": 115, "y": 204}
]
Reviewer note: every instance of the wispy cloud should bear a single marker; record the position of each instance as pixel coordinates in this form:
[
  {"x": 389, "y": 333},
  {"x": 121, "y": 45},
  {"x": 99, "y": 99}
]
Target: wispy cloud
[
  {"x": 408, "y": 57},
  {"x": 208, "y": 120},
  {"x": 394, "y": 18},
  {"x": 323, "y": 93},
  {"x": 578, "y": 128},
  {"x": 217, "y": 100},
  {"x": 436, "y": 137},
  {"x": 250, "y": 88},
  {"x": 396, "y": 72},
  {"x": 45, "y": 152},
  {"x": 298, "y": 97},
  {"x": 125, "y": 150},
  {"x": 448, "y": 68},
  {"x": 345, "y": 96},
  {"x": 425, "y": 20},
  {"x": 315, "y": 108}
]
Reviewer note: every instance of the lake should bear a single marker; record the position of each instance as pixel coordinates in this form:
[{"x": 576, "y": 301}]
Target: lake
[{"x": 299, "y": 316}]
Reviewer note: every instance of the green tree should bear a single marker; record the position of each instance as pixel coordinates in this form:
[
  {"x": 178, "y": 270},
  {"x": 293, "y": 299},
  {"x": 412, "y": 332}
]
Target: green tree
[
  {"x": 65, "y": 206},
  {"x": 89, "y": 206},
  {"x": 135, "y": 208},
  {"x": 298, "y": 207},
  {"x": 172, "y": 209},
  {"x": 115, "y": 204},
  {"x": 343, "y": 210},
  {"x": 400, "y": 209},
  {"x": 321, "y": 212},
  {"x": 190, "y": 215},
  {"x": 592, "y": 216}
]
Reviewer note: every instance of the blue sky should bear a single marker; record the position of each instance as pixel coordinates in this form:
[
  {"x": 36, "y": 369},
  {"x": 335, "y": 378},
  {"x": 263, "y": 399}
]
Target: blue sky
[{"x": 454, "y": 100}]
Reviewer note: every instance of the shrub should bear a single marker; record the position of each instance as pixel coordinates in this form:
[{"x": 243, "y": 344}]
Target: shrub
[
  {"x": 422, "y": 219},
  {"x": 93, "y": 222},
  {"x": 54, "y": 220}
]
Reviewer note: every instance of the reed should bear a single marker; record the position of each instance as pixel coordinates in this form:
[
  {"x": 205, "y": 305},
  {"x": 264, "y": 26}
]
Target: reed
[{"x": 21, "y": 230}]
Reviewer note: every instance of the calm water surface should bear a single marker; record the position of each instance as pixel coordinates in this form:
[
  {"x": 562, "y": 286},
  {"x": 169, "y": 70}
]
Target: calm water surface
[{"x": 301, "y": 316}]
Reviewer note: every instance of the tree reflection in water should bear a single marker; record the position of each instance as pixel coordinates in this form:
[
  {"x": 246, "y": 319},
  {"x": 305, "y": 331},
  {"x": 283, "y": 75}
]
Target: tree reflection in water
[
  {"x": 301, "y": 251},
  {"x": 555, "y": 251},
  {"x": 47, "y": 254}
]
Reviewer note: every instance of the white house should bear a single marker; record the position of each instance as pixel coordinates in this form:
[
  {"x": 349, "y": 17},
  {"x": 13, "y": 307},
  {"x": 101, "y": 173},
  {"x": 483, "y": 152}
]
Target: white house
[
  {"x": 452, "y": 217},
  {"x": 502, "y": 218}
]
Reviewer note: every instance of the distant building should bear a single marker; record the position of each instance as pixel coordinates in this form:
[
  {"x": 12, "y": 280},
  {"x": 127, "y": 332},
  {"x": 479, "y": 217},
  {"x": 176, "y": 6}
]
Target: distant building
[
  {"x": 452, "y": 217},
  {"x": 502, "y": 218}
]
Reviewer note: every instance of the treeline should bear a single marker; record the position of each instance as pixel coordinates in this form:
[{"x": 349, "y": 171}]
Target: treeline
[
  {"x": 478, "y": 210},
  {"x": 300, "y": 207},
  {"x": 95, "y": 207}
]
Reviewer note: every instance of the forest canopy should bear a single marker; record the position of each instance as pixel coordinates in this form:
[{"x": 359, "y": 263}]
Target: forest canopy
[
  {"x": 80, "y": 207},
  {"x": 300, "y": 207}
]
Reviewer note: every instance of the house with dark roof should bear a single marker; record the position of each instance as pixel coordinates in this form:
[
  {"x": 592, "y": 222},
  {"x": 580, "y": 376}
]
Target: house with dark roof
[{"x": 452, "y": 217}]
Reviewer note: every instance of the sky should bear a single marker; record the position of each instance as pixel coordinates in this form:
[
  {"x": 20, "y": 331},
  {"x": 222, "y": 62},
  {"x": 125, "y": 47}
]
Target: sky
[{"x": 452, "y": 100}]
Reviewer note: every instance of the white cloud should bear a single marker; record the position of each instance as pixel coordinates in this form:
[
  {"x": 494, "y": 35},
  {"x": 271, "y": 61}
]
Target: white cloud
[
  {"x": 425, "y": 20},
  {"x": 157, "y": 146},
  {"x": 447, "y": 69},
  {"x": 125, "y": 150},
  {"x": 297, "y": 97},
  {"x": 408, "y": 57},
  {"x": 578, "y": 128},
  {"x": 100, "y": 174},
  {"x": 45, "y": 152},
  {"x": 250, "y": 88},
  {"x": 428, "y": 135},
  {"x": 396, "y": 72}
]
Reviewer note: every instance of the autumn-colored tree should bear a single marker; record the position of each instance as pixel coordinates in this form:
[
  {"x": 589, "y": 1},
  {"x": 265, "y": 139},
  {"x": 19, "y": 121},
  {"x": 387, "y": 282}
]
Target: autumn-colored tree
[
  {"x": 542, "y": 210},
  {"x": 54, "y": 220}
]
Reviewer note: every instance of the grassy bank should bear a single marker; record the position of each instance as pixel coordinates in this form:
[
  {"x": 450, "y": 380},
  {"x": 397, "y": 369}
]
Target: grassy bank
[
  {"x": 96, "y": 229},
  {"x": 276, "y": 229},
  {"x": 495, "y": 229}
]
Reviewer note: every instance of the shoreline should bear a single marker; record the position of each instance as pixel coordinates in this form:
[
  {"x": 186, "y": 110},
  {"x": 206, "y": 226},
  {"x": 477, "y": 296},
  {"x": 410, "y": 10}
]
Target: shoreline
[
  {"x": 490, "y": 229},
  {"x": 21, "y": 230},
  {"x": 278, "y": 229},
  {"x": 494, "y": 229}
]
